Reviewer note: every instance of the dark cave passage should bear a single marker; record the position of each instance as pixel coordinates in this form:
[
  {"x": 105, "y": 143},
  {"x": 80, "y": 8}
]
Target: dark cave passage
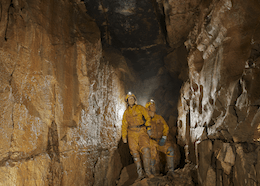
[{"x": 140, "y": 37}]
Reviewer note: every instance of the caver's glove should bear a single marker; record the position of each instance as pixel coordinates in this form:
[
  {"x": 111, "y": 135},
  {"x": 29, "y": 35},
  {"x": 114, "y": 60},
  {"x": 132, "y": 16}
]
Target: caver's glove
[
  {"x": 162, "y": 141},
  {"x": 125, "y": 140},
  {"x": 149, "y": 132}
]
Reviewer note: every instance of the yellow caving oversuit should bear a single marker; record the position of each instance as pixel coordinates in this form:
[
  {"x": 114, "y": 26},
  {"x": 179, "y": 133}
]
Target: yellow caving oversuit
[
  {"x": 158, "y": 139},
  {"x": 135, "y": 129}
]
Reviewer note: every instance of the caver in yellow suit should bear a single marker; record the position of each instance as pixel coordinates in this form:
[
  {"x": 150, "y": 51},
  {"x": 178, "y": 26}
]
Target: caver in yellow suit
[
  {"x": 135, "y": 129},
  {"x": 158, "y": 136}
]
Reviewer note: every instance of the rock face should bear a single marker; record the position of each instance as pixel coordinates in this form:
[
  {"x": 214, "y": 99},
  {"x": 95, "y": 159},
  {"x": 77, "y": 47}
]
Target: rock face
[
  {"x": 62, "y": 91},
  {"x": 181, "y": 177},
  {"x": 218, "y": 119},
  {"x": 179, "y": 19},
  {"x": 127, "y": 24},
  {"x": 61, "y": 100}
]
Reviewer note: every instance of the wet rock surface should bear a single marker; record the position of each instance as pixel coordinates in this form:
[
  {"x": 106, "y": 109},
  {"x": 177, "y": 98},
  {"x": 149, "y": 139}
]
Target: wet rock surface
[
  {"x": 218, "y": 112},
  {"x": 61, "y": 98}
]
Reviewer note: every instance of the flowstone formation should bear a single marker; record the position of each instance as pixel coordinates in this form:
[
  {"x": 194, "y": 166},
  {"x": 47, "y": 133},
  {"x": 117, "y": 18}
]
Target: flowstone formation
[
  {"x": 218, "y": 119},
  {"x": 61, "y": 97}
]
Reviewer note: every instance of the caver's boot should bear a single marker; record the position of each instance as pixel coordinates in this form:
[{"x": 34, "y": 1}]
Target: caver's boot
[
  {"x": 170, "y": 161},
  {"x": 139, "y": 169},
  {"x": 153, "y": 168},
  {"x": 146, "y": 162}
]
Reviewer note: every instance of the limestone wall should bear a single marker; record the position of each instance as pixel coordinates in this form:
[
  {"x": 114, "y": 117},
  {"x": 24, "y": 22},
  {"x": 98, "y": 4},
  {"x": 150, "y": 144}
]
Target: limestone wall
[
  {"x": 61, "y": 101},
  {"x": 218, "y": 121}
]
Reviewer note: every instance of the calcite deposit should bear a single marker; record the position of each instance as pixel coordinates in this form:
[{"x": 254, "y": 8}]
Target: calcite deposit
[{"x": 218, "y": 119}]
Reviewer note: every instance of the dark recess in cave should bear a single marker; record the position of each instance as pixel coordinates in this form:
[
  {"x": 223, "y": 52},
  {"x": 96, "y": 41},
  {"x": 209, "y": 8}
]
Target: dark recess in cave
[{"x": 138, "y": 30}]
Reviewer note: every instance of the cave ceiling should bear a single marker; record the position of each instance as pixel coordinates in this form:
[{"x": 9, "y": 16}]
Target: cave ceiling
[{"x": 136, "y": 28}]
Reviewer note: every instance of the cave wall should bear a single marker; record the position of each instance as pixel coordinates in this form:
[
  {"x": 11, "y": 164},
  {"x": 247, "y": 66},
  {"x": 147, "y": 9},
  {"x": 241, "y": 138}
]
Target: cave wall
[
  {"x": 218, "y": 122},
  {"x": 178, "y": 19},
  {"x": 61, "y": 98}
]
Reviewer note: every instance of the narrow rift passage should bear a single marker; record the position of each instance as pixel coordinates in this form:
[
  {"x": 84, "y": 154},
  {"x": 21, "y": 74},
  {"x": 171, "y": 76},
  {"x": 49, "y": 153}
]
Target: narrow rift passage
[
  {"x": 66, "y": 67},
  {"x": 136, "y": 31}
]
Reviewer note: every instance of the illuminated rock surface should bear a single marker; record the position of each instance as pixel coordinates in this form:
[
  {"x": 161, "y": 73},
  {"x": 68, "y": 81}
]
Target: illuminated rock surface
[
  {"x": 66, "y": 65},
  {"x": 218, "y": 112},
  {"x": 182, "y": 177},
  {"x": 61, "y": 100}
]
